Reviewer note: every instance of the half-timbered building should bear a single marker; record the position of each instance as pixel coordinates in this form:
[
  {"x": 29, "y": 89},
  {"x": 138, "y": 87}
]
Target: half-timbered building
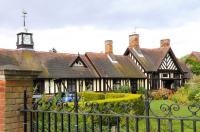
[
  {"x": 159, "y": 65},
  {"x": 138, "y": 67},
  {"x": 70, "y": 72},
  {"x": 116, "y": 70}
]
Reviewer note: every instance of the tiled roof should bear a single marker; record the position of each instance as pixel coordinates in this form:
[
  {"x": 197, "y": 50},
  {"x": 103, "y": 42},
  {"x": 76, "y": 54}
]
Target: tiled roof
[
  {"x": 114, "y": 66},
  {"x": 59, "y": 65},
  {"x": 151, "y": 59},
  {"x": 52, "y": 65},
  {"x": 155, "y": 56},
  {"x": 185, "y": 69}
]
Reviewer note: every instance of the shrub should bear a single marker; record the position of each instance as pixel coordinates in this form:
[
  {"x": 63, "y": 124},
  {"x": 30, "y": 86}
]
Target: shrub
[
  {"x": 194, "y": 95},
  {"x": 141, "y": 90},
  {"x": 197, "y": 97},
  {"x": 107, "y": 103},
  {"x": 119, "y": 103},
  {"x": 127, "y": 103},
  {"x": 114, "y": 95},
  {"x": 194, "y": 89},
  {"x": 181, "y": 95},
  {"x": 189, "y": 93},
  {"x": 90, "y": 96},
  {"x": 122, "y": 89},
  {"x": 162, "y": 93}
]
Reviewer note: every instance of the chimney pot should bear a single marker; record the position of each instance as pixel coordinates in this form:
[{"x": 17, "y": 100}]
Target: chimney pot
[
  {"x": 109, "y": 47},
  {"x": 164, "y": 43},
  {"x": 134, "y": 41}
]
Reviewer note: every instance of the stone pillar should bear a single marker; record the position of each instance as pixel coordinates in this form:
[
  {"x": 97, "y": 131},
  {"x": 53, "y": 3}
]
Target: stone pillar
[{"x": 12, "y": 86}]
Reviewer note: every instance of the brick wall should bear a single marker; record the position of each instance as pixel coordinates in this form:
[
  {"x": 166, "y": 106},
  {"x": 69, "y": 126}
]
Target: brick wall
[{"x": 12, "y": 85}]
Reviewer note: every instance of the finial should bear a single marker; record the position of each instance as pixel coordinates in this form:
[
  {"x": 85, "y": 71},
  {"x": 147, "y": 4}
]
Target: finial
[
  {"x": 54, "y": 50},
  {"x": 78, "y": 54},
  {"x": 24, "y": 22}
]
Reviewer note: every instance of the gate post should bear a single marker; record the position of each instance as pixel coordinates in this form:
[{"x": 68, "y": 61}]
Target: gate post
[{"x": 12, "y": 86}]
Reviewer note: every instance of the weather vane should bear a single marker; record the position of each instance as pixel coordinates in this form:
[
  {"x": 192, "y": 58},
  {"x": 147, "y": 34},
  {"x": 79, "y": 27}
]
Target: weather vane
[{"x": 24, "y": 16}]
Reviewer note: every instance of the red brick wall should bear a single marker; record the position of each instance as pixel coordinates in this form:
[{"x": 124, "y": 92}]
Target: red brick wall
[
  {"x": 12, "y": 86},
  {"x": 2, "y": 104}
]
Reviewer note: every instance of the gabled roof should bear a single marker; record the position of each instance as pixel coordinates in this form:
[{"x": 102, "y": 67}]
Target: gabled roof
[
  {"x": 155, "y": 56},
  {"x": 52, "y": 65},
  {"x": 60, "y": 67},
  {"x": 185, "y": 69},
  {"x": 78, "y": 59},
  {"x": 151, "y": 59},
  {"x": 119, "y": 67}
]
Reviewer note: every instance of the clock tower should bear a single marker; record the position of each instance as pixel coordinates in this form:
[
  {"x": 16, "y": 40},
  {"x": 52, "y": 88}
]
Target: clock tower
[{"x": 25, "y": 39}]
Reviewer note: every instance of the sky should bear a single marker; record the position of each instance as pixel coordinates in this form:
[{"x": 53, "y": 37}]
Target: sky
[{"x": 79, "y": 26}]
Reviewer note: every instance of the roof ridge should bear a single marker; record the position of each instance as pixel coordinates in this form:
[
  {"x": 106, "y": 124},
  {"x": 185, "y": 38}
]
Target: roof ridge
[
  {"x": 155, "y": 48},
  {"x": 92, "y": 65}
]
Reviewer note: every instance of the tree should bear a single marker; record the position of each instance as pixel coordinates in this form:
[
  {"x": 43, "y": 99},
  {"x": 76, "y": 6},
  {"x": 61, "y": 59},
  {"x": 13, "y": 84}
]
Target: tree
[{"x": 194, "y": 64}]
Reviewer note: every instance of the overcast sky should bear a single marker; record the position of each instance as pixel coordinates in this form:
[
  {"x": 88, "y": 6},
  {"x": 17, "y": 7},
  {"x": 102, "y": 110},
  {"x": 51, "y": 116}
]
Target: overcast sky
[{"x": 74, "y": 26}]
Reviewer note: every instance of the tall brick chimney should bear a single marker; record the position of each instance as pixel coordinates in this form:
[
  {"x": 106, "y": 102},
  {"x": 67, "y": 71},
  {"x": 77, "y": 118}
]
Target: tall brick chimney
[
  {"x": 134, "y": 41},
  {"x": 109, "y": 47},
  {"x": 164, "y": 43}
]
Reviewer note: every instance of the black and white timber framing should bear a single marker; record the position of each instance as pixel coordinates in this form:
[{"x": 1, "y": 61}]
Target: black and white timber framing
[{"x": 159, "y": 65}]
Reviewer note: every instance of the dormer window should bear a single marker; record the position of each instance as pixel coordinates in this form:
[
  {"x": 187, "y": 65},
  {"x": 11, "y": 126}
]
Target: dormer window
[{"x": 78, "y": 63}]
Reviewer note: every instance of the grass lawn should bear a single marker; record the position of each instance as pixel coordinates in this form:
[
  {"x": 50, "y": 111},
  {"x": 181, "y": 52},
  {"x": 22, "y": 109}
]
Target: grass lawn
[
  {"x": 181, "y": 112},
  {"x": 165, "y": 123}
]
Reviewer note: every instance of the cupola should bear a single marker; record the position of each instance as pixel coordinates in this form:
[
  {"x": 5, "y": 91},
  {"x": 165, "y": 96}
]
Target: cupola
[{"x": 24, "y": 38}]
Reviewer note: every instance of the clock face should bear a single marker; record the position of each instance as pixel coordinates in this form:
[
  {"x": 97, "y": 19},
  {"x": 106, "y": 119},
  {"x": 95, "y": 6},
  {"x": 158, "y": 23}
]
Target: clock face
[
  {"x": 19, "y": 39},
  {"x": 26, "y": 39}
]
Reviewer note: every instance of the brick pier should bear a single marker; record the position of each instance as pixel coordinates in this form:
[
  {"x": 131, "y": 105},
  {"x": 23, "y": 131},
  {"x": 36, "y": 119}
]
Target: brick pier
[{"x": 12, "y": 85}]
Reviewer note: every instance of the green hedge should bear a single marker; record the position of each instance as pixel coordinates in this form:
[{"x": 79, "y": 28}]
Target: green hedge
[
  {"x": 90, "y": 96},
  {"x": 114, "y": 95},
  {"x": 122, "y": 89},
  {"x": 120, "y": 103},
  {"x": 108, "y": 103}
]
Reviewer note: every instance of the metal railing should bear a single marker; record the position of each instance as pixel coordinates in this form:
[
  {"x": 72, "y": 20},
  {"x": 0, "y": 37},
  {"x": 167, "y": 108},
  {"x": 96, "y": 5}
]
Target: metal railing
[{"x": 70, "y": 118}]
